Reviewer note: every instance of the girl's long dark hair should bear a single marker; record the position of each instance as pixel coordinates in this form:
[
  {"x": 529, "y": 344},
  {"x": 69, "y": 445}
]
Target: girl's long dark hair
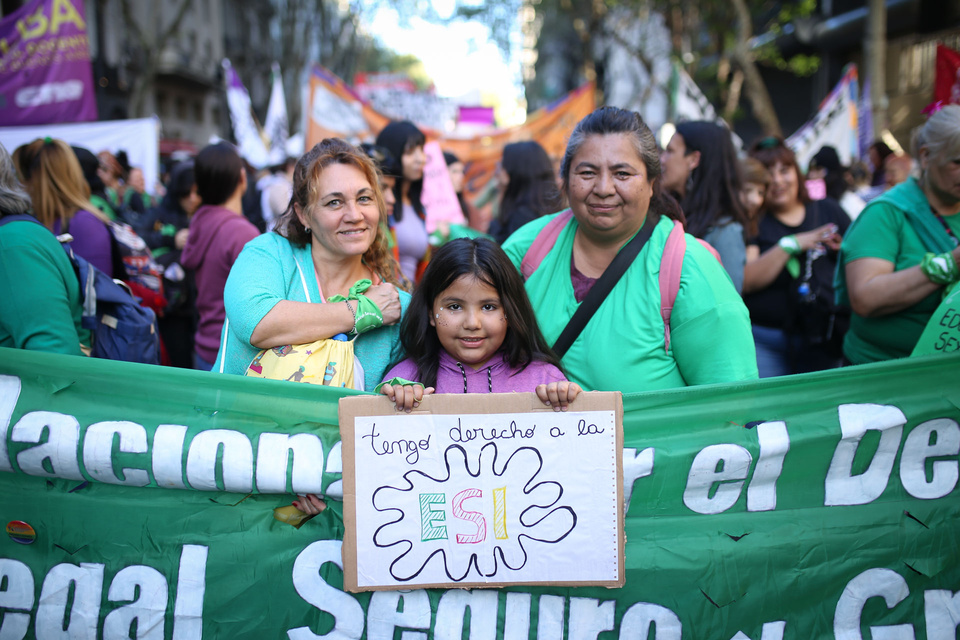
[
  {"x": 533, "y": 183},
  {"x": 486, "y": 261},
  {"x": 400, "y": 137},
  {"x": 715, "y": 189}
]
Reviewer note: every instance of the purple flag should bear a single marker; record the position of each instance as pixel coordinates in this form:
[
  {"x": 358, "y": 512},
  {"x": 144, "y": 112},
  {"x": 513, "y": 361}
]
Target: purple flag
[{"x": 45, "y": 74}]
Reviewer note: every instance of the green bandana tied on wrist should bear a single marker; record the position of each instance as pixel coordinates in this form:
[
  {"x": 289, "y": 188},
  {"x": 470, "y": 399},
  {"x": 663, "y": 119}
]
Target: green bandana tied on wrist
[
  {"x": 368, "y": 314},
  {"x": 792, "y": 247},
  {"x": 940, "y": 269}
]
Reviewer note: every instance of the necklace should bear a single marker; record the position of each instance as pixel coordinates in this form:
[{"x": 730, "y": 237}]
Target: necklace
[{"x": 946, "y": 226}]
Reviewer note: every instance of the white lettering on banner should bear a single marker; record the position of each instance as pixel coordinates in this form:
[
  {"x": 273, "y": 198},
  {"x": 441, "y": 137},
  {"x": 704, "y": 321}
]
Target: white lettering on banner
[
  {"x": 774, "y": 445},
  {"x": 9, "y": 394},
  {"x": 727, "y": 465},
  {"x": 272, "y": 452},
  {"x": 168, "y": 456},
  {"x": 516, "y": 619},
  {"x": 191, "y": 586},
  {"x": 872, "y": 583},
  {"x": 451, "y": 614},
  {"x": 55, "y": 458},
  {"x": 635, "y": 466},
  {"x": 550, "y": 616},
  {"x": 934, "y": 438},
  {"x": 842, "y": 486},
  {"x": 941, "y": 610},
  {"x": 71, "y": 596},
  {"x": 392, "y": 610},
  {"x": 335, "y": 466},
  {"x": 16, "y": 598},
  {"x": 236, "y": 464},
  {"x": 98, "y": 452},
  {"x": 588, "y": 617},
  {"x": 640, "y": 617},
  {"x": 310, "y": 585},
  {"x": 49, "y": 93},
  {"x": 147, "y": 610},
  {"x": 84, "y": 615}
]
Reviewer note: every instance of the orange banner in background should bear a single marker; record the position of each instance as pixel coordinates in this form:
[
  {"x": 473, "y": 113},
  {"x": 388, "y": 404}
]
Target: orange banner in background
[{"x": 335, "y": 110}]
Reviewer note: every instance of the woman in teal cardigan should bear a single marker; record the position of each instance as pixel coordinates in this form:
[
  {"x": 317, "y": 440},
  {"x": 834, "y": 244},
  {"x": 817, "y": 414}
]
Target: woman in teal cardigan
[{"x": 332, "y": 236}]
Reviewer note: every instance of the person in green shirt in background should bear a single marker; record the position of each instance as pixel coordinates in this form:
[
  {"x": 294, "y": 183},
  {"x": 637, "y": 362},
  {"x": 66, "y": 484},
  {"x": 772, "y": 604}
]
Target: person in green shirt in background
[
  {"x": 39, "y": 292},
  {"x": 901, "y": 253}
]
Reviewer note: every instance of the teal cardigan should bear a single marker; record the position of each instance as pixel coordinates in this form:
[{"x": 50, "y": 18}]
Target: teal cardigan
[{"x": 266, "y": 273}]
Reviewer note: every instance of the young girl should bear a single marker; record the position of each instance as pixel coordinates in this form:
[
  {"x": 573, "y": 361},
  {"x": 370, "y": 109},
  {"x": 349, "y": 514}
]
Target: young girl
[{"x": 470, "y": 329}]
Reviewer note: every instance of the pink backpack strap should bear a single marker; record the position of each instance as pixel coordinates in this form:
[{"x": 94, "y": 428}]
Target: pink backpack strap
[
  {"x": 671, "y": 266},
  {"x": 709, "y": 247},
  {"x": 543, "y": 243}
]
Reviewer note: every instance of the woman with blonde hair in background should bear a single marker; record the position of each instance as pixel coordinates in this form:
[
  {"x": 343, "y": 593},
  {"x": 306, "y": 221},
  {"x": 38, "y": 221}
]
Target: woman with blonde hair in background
[{"x": 50, "y": 171}]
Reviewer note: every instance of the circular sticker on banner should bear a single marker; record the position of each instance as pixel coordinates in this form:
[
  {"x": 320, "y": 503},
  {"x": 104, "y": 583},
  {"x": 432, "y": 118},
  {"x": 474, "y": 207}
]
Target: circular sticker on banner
[{"x": 21, "y": 532}]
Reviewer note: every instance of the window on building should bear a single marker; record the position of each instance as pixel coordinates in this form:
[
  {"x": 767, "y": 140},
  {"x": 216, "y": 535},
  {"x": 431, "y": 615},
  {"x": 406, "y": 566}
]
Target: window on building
[
  {"x": 181, "y": 108},
  {"x": 198, "y": 112}
]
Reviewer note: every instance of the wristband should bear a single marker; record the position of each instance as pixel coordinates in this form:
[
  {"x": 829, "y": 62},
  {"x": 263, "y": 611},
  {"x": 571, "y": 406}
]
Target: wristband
[
  {"x": 940, "y": 269},
  {"x": 367, "y": 315},
  {"x": 790, "y": 245}
]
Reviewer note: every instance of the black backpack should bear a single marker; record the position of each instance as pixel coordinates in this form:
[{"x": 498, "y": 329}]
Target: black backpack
[{"x": 120, "y": 328}]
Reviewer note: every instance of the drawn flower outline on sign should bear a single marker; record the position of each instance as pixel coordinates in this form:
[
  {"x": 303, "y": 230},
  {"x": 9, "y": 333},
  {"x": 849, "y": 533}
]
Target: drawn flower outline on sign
[{"x": 469, "y": 526}]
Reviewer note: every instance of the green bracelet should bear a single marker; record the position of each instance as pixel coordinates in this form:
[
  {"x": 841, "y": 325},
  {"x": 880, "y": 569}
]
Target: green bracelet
[{"x": 940, "y": 269}]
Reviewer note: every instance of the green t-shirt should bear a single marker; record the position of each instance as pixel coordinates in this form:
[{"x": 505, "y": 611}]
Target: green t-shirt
[
  {"x": 622, "y": 348},
  {"x": 882, "y": 231},
  {"x": 40, "y": 294}
]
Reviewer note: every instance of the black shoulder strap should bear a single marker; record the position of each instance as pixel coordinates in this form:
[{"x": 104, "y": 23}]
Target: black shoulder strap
[{"x": 601, "y": 288}]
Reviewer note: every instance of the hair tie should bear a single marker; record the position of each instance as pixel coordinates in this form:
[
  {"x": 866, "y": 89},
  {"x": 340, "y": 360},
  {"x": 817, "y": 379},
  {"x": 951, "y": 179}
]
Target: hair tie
[{"x": 47, "y": 140}]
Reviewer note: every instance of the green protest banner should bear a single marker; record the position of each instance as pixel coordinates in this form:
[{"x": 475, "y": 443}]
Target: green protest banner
[{"x": 817, "y": 506}]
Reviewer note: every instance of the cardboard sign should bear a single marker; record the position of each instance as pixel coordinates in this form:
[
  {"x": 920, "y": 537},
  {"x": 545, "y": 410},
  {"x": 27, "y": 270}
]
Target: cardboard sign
[{"x": 482, "y": 490}]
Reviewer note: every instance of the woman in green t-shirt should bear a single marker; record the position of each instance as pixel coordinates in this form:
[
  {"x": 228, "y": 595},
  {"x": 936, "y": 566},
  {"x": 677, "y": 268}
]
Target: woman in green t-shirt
[
  {"x": 903, "y": 250},
  {"x": 611, "y": 177}
]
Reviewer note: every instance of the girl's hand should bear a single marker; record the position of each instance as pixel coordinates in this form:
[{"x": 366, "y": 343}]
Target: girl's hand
[
  {"x": 387, "y": 299},
  {"x": 310, "y": 504},
  {"x": 558, "y": 394},
  {"x": 826, "y": 235},
  {"x": 405, "y": 396}
]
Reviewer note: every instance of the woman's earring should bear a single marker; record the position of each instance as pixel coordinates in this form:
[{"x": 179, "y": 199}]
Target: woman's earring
[{"x": 307, "y": 229}]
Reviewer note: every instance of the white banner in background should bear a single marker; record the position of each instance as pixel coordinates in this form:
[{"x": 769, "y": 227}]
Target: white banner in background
[
  {"x": 246, "y": 130},
  {"x": 275, "y": 124},
  {"x": 835, "y": 124},
  {"x": 139, "y": 137}
]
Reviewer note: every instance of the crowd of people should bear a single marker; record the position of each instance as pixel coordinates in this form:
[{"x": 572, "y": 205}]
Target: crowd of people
[{"x": 632, "y": 268}]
